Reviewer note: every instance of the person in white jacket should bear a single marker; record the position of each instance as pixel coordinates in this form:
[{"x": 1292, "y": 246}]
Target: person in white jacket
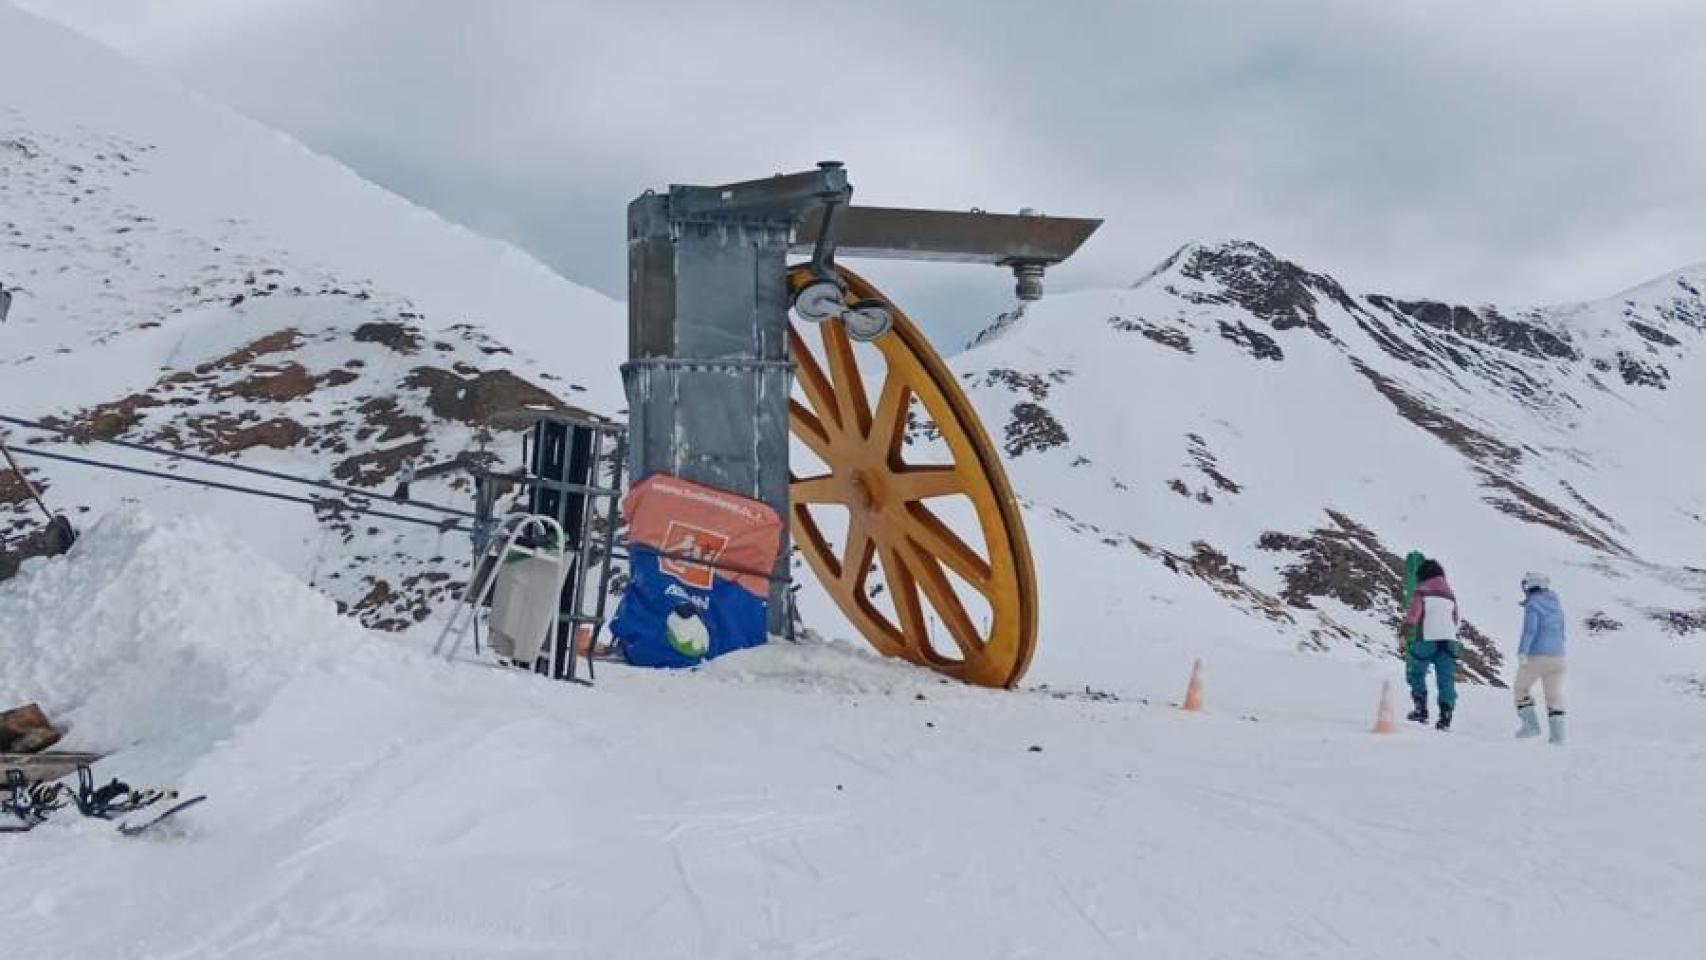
[{"x": 1431, "y": 626}]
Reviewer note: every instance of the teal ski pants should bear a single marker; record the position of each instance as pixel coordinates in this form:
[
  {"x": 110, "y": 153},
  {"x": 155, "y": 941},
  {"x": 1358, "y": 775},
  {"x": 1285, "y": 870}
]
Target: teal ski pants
[{"x": 1440, "y": 656}]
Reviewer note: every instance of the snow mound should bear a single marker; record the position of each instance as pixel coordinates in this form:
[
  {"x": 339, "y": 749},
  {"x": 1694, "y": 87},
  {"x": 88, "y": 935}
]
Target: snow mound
[
  {"x": 160, "y": 632},
  {"x": 829, "y": 668}
]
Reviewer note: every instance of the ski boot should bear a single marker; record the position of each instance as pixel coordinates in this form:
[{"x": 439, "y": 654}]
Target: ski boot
[
  {"x": 1420, "y": 713},
  {"x": 1555, "y": 720},
  {"x": 1530, "y": 722},
  {"x": 1444, "y": 717}
]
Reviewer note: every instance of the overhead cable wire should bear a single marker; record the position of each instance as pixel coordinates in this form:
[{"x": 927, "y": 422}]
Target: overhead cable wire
[
  {"x": 446, "y": 524},
  {"x": 214, "y": 462}
]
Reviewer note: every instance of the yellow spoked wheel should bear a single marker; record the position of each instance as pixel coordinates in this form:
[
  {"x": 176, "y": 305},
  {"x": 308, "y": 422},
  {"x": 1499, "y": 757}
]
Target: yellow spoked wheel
[{"x": 933, "y": 566}]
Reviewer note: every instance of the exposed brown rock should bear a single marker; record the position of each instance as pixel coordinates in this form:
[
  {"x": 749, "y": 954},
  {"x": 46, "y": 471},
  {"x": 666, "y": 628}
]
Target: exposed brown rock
[
  {"x": 1478, "y": 657},
  {"x": 477, "y": 400},
  {"x": 223, "y": 436},
  {"x": 1348, "y": 563},
  {"x": 1277, "y": 291},
  {"x": 383, "y": 417},
  {"x": 1479, "y": 447},
  {"x": 1637, "y": 373},
  {"x": 1679, "y": 623},
  {"x": 1518, "y": 501},
  {"x": 396, "y": 336},
  {"x": 376, "y": 466},
  {"x": 275, "y": 385},
  {"x": 393, "y": 608},
  {"x": 1255, "y": 342},
  {"x": 1485, "y": 326},
  {"x": 1345, "y": 561},
  {"x": 1653, "y": 334},
  {"x": 1166, "y": 336},
  {"x": 110, "y": 420},
  {"x": 1037, "y": 385},
  {"x": 1031, "y": 428},
  {"x": 1209, "y": 563},
  {"x": 276, "y": 342},
  {"x": 1209, "y": 466},
  {"x": 1601, "y": 622}
]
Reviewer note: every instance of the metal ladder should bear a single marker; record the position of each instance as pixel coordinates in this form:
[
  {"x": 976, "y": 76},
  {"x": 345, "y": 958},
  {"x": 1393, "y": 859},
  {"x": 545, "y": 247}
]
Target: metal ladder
[{"x": 484, "y": 577}]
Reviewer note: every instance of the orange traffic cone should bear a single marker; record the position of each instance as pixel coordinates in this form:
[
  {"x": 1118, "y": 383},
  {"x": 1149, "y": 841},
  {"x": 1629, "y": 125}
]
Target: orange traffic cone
[
  {"x": 1193, "y": 693},
  {"x": 1384, "y": 719}
]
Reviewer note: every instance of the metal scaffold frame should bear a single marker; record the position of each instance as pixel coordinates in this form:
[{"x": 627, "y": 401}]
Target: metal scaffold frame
[{"x": 575, "y": 475}]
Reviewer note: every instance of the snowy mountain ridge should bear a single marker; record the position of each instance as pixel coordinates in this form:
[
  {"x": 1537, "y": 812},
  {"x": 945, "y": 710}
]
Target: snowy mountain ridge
[
  {"x": 185, "y": 277},
  {"x": 1241, "y": 421},
  {"x": 1234, "y": 450}
]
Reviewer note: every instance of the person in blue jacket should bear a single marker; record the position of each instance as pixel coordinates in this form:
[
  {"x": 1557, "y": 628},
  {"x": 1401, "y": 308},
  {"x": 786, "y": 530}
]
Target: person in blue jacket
[{"x": 1540, "y": 657}]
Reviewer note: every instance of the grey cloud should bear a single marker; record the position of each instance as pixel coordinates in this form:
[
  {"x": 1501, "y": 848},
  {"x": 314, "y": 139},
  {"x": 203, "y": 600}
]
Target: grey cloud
[{"x": 1527, "y": 150}]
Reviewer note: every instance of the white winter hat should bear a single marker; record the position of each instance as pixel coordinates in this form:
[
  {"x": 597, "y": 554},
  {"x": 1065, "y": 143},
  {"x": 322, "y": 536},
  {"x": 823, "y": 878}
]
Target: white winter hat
[{"x": 1535, "y": 581}]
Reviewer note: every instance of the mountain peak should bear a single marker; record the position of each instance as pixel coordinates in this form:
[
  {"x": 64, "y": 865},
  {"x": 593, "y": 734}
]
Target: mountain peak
[
  {"x": 1187, "y": 259},
  {"x": 1247, "y": 274}
]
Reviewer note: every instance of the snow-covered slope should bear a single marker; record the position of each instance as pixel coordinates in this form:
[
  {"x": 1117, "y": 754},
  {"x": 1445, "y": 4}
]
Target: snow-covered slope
[
  {"x": 184, "y": 276},
  {"x": 1237, "y": 450},
  {"x": 802, "y": 800}
]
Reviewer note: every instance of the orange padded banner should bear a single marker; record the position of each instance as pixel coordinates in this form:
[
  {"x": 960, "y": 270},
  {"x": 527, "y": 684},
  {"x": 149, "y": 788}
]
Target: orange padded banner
[{"x": 725, "y": 532}]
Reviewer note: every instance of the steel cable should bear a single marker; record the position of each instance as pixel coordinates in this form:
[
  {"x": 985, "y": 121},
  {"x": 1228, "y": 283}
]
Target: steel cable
[
  {"x": 447, "y": 524},
  {"x": 213, "y": 462}
]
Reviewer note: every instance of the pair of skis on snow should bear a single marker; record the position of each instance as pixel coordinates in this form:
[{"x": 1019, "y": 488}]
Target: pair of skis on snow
[{"x": 30, "y": 804}]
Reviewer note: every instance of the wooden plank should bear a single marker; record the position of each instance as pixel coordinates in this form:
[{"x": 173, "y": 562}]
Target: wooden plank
[{"x": 49, "y": 765}]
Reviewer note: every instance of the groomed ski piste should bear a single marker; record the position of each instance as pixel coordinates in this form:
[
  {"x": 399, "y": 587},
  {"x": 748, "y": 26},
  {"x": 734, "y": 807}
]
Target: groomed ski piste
[
  {"x": 1184, "y": 449},
  {"x": 805, "y": 800}
]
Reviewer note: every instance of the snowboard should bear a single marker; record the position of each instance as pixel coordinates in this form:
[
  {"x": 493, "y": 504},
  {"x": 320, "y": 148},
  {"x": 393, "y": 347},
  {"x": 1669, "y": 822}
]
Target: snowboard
[
  {"x": 135, "y": 826},
  {"x": 31, "y": 801},
  {"x": 138, "y": 826},
  {"x": 1412, "y": 571}
]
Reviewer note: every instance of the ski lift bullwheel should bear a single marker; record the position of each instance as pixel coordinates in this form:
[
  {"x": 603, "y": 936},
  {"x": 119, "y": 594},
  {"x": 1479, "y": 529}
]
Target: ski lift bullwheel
[{"x": 899, "y": 540}]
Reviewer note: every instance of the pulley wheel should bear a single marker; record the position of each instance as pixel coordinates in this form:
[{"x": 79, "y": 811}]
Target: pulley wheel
[{"x": 934, "y": 566}]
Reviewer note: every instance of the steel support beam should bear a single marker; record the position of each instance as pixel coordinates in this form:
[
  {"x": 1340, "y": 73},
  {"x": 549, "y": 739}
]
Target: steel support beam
[{"x": 895, "y": 233}]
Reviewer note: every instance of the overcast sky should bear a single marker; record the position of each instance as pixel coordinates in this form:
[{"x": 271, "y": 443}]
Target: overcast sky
[{"x": 1509, "y": 150}]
